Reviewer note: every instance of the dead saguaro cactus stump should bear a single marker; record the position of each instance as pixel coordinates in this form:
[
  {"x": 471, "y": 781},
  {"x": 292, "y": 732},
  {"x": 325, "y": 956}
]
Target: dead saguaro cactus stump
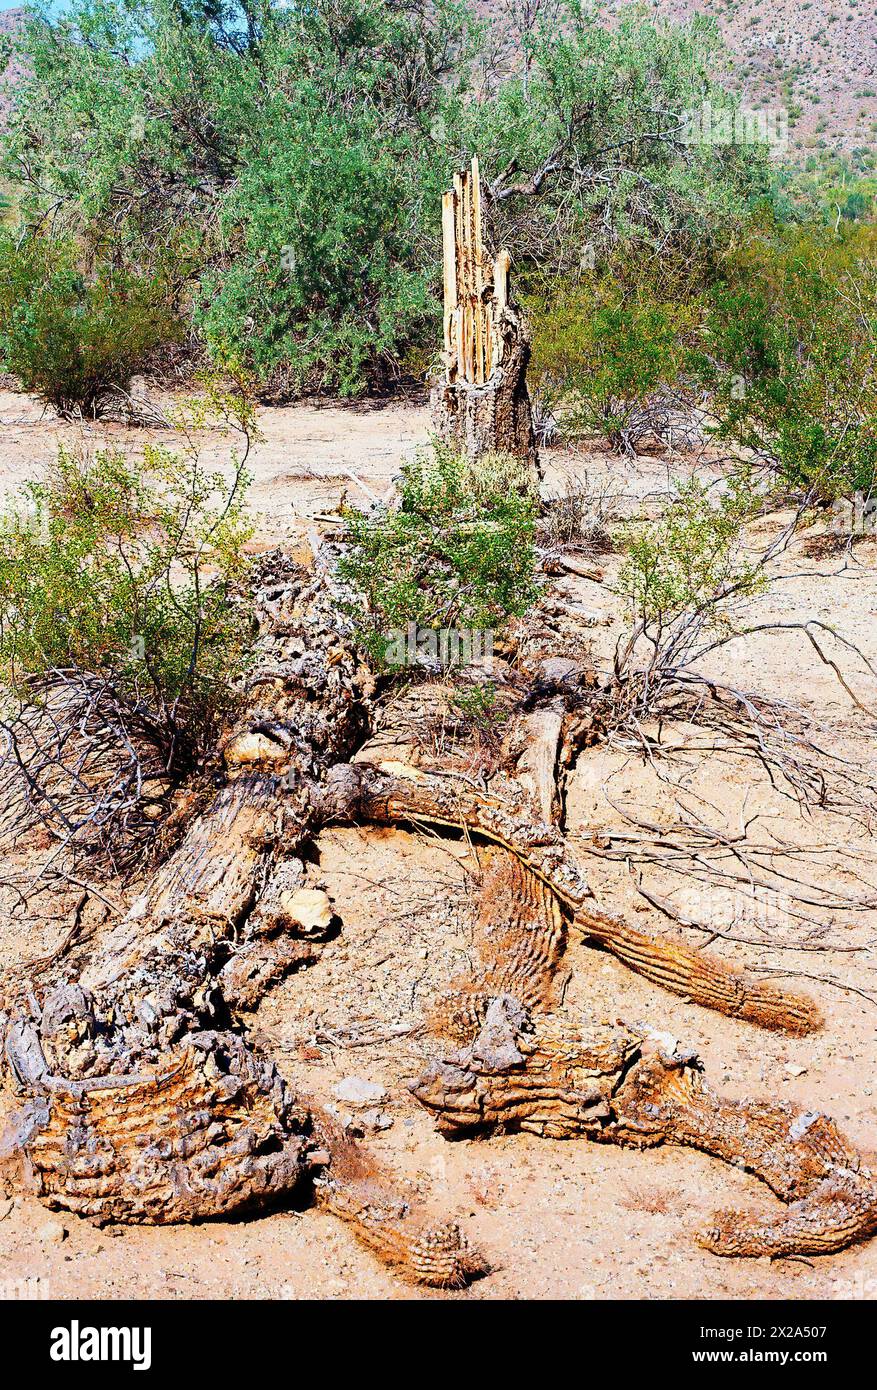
[{"x": 480, "y": 403}]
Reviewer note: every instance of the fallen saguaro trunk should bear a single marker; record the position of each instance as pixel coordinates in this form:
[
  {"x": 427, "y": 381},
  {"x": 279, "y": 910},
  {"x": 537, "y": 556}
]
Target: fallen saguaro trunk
[
  {"x": 391, "y": 794},
  {"x": 140, "y": 1096},
  {"x": 519, "y": 1064},
  {"x": 480, "y": 403}
]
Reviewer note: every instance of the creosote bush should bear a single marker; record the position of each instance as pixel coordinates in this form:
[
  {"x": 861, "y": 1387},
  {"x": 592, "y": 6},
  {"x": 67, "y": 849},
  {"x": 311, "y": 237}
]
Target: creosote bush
[
  {"x": 604, "y": 347},
  {"x": 128, "y": 570},
  {"x": 456, "y": 551},
  {"x": 685, "y": 562},
  {"x": 70, "y": 335}
]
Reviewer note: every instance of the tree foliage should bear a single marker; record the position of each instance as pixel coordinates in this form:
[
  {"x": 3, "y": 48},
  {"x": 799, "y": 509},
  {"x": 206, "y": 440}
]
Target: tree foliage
[
  {"x": 279, "y": 167},
  {"x": 606, "y": 344},
  {"x": 594, "y": 147},
  {"x": 791, "y": 347}
]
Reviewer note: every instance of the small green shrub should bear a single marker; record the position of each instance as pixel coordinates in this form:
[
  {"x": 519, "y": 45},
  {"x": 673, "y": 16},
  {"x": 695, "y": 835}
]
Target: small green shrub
[
  {"x": 456, "y": 553},
  {"x": 684, "y": 562},
  {"x": 128, "y": 571},
  {"x": 478, "y": 708},
  {"x": 68, "y": 335},
  {"x": 602, "y": 349},
  {"x": 791, "y": 339}
]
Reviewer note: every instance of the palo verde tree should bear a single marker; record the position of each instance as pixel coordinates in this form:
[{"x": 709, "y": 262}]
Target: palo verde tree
[
  {"x": 279, "y": 168},
  {"x": 280, "y": 163},
  {"x": 791, "y": 349},
  {"x": 595, "y": 147}
]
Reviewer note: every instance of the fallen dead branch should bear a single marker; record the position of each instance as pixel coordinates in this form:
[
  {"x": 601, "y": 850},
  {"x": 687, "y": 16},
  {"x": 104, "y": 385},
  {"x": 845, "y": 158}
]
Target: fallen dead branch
[{"x": 80, "y": 765}]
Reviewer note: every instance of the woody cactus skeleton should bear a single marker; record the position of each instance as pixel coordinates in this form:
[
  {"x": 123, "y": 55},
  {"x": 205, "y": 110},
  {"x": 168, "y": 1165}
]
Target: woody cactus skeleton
[
  {"x": 138, "y": 1094},
  {"x": 480, "y": 402}
]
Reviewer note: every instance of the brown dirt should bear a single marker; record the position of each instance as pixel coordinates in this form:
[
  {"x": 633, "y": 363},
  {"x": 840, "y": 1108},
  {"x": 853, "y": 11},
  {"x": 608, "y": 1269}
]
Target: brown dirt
[{"x": 570, "y": 1220}]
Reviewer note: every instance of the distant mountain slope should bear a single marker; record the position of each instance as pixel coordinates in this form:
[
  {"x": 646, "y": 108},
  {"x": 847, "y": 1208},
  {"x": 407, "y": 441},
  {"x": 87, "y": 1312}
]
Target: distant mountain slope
[
  {"x": 816, "y": 58},
  {"x": 10, "y": 23}
]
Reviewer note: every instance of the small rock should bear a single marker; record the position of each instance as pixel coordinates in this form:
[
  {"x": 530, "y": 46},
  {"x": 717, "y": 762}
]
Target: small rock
[
  {"x": 357, "y": 1091},
  {"x": 250, "y": 748},
  {"x": 51, "y": 1233},
  {"x": 309, "y": 909},
  {"x": 794, "y": 1069},
  {"x": 371, "y": 1122},
  {"x": 558, "y": 668}
]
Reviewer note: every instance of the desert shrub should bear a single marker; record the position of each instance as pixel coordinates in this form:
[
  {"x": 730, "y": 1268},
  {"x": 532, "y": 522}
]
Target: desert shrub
[
  {"x": 689, "y": 559},
  {"x": 791, "y": 338},
  {"x": 456, "y": 553},
  {"x": 681, "y": 577},
  {"x": 604, "y": 347},
  {"x": 829, "y": 187},
  {"x": 684, "y": 577},
  {"x": 582, "y": 516},
  {"x": 128, "y": 570},
  {"x": 478, "y": 706},
  {"x": 69, "y": 335},
  {"x": 324, "y": 283},
  {"x": 477, "y": 711}
]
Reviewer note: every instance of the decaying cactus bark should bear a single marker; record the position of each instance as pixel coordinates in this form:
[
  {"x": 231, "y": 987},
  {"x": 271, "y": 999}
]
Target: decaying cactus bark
[
  {"x": 140, "y": 1096},
  {"x": 480, "y": 402},
  {"x": 518, "y": 1064}
]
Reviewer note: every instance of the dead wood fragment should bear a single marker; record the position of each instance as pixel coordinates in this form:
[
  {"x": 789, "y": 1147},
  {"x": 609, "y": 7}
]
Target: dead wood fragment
[
  {"x": 537, "y": 765},
  {"x": 520, "y": 1067},
  {"x": 480, "y": 403},
  {"x": 581, "y": 568},
  {"x": 355, "y": 1188}
]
